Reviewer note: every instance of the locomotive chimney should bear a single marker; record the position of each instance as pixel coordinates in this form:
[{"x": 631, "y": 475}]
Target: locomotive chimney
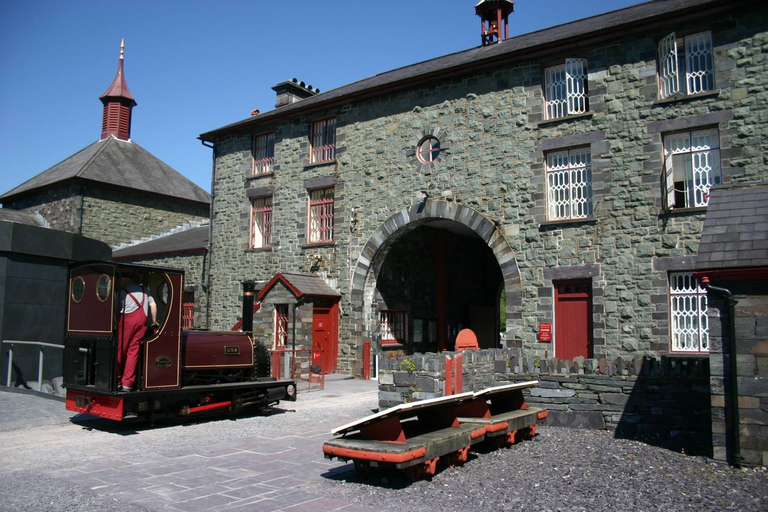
[{"x": 248, "y": 294}]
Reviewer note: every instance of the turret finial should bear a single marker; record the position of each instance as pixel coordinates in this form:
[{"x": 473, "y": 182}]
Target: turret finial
[{"x": 122, "y": 48}]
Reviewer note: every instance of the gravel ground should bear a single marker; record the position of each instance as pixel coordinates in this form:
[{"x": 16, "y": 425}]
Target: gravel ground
[
  {"x": 560, "y": 469},
  {"x": 568, "y": 470}
]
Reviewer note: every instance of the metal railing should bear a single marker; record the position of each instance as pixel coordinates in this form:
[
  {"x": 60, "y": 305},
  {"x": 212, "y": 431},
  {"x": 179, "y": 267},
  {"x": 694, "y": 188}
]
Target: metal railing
[
  {"x": 40, "y": 359},
  {"x": 288, "y": 364}
]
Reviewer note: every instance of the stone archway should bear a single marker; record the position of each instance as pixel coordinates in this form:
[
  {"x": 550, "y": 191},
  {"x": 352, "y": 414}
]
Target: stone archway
[{"x": 373, "y": 254}]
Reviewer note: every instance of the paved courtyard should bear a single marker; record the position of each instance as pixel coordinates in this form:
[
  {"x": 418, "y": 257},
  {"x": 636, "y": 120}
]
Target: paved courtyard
[{"x": 243, "y": 463}]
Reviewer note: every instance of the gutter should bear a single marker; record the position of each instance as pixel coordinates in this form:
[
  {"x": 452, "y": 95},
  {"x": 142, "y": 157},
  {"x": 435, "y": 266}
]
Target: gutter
[{"x": 735, "y": 455}]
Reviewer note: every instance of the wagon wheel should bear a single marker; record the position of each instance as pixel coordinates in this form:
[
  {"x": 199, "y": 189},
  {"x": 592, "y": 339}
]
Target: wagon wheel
[
  {"x": 499, "y": 441},
  {"x": 529, "y": 433},
  {"x": 460, "y": 456},
  {"x": 362, "y": 467},
  {"x": 418, "y": 471}
]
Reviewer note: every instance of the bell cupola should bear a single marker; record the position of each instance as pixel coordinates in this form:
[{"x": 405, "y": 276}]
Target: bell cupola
[
  {"x": 494, "y": 26},
  {"x": 118, "y": 103}
]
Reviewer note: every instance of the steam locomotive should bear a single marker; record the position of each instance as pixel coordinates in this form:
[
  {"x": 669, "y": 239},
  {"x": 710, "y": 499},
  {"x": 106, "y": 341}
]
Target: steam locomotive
[{"x": 179, "y": 372}]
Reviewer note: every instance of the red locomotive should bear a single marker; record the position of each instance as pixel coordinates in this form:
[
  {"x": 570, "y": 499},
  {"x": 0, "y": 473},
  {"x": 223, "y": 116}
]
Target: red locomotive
[{"x": 179, "y": 372}]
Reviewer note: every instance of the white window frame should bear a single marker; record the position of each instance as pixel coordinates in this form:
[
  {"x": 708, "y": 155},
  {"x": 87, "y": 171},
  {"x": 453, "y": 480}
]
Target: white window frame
[
  {"x": 263, "y": 153},
  {"x": 569, "y": 184},
  {"x": 393, "y": 326},
  {"x": 696, "y": 65},
  {"x": 320, "y": 215},
  {"x": 261, "y": 222},
  {"x": 689, "y": 323},
  {"x": 323, "y": 140},
  {"x": 565, "y": 89},
  {"x": 691, "y": 167}
]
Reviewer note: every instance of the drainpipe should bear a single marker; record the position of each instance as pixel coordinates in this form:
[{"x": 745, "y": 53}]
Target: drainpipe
[
  {"x": 210, "y": 236},
  {"x": 730, "y": 303}
]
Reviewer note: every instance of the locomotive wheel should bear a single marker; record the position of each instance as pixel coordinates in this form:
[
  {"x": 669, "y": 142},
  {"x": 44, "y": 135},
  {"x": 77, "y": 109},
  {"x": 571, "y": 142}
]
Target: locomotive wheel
[{"x": 261, "y": 362}]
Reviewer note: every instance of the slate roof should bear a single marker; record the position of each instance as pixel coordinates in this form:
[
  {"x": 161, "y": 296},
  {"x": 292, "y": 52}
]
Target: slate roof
[
  {"x": 191, "y": 240},
  {"x": 735, "y": 233},
  {"x": 116, "y": 163},
  {"x": 20, "y": 217},
  {"x": 636, "y": 17},
  {"x": 301, "y": 285}
]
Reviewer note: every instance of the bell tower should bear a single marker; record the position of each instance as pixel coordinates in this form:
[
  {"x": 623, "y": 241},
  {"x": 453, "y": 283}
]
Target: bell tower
[
  {"x": 118, "y": 104},
  {"x": 493, "y": 14}
]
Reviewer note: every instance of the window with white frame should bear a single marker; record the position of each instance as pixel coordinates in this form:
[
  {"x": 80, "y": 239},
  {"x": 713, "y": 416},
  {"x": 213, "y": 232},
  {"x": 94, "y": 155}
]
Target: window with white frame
[
  {"x": 321, "y": 215},
  {"x": 281, "y": 325},
  {"x": 565, "y": 89},
  {"x": 263, "y": 153},
  {"x": 569, "y": 184},
  {"x": 688, "y": 306},
  {"x": 261, "y": 222},
  {"x": 691, "y": 167},
  {"x": 686, "y": 64},
  {"x": 392, "y": 327},
  {"x": 323, "y": 140}
]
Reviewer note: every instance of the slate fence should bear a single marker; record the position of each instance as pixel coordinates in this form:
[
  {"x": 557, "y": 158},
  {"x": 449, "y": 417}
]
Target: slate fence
[{"x": 663, "y": 401}]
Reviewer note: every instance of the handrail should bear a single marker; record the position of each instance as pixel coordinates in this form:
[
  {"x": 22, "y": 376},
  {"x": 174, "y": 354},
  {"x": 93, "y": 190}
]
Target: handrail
[{"x": 40, "y": 359}]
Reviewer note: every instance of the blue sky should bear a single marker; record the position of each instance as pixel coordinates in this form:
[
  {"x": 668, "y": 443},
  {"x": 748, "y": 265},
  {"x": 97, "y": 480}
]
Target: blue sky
[{"x": 194, "y": 66}]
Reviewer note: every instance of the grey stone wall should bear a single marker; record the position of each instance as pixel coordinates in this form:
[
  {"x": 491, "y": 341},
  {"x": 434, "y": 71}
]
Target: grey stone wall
[
  {"x": 110, "y": 215},
  {"x": 751, "y": 372},
  {"x": 494, "y": 167},
  {"x": 60, "y": 207},
  {"x": 663, "y": 401}
]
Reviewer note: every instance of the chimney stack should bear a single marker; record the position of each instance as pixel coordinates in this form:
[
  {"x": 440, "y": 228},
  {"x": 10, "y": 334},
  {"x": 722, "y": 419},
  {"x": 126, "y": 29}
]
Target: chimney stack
[{"x": 292, "y": 91}]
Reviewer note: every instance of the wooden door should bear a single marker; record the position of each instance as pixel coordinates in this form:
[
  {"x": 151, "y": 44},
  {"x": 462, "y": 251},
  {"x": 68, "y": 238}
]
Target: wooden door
[
  {"x": 325, "y": 336},
  {"x": 573, "y": 319}
]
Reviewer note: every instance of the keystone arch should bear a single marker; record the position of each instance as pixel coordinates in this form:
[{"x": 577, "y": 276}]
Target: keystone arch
[{"x": 373, "y": 255}]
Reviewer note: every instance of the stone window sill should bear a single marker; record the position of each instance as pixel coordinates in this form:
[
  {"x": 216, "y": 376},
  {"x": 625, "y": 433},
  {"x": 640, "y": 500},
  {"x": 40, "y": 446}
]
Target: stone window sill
[
  {"x": 315, "y": 245},
  {"x": 686, "y": 97},
  {"x": 320, "y": 164},
  {"x": 552, "y": 122},
  {"x": 566, "y": 222},
  {"x": 259, "y": 249},
  {"x": 391, "y": 346},
  {"x": 684, "y": 355},
  {"x": 683, "y": 211}
]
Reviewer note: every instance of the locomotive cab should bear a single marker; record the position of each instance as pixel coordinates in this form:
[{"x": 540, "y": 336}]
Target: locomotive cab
[
  {"x": 90, "y": 341},
  {"x": 177, "y": 373}
]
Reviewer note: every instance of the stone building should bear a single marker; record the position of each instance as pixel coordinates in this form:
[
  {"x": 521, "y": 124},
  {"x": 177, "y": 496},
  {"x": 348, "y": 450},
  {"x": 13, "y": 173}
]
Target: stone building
[
  {"x": 113, "y": 190},
  {"x": 568, "y": 170}
]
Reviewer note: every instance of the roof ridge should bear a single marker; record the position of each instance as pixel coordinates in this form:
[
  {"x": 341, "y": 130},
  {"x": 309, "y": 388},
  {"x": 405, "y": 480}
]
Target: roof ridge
[{"x": 87, "y": 164}]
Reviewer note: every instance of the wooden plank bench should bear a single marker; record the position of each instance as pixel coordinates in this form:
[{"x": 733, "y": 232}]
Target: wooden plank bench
[
  {"x": 411, "y": 436},
  {"x": 503, "y": 413}
]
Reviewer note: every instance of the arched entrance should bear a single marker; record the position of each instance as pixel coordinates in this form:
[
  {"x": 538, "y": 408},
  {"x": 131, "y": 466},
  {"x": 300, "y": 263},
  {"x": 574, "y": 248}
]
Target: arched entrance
[{"x": 430, "y": 270}]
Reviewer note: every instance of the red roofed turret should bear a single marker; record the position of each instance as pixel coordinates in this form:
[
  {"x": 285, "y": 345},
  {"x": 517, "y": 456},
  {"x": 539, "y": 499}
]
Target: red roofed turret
[{"x": 118, "y": 103}]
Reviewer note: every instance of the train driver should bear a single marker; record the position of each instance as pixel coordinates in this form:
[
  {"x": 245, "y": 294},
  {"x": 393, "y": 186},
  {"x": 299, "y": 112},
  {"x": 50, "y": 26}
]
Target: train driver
[{"x": 135, "y": 305}]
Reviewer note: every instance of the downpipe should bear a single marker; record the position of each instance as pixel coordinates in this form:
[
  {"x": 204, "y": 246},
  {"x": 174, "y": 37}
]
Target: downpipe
[{"x": 730, "y": 302}]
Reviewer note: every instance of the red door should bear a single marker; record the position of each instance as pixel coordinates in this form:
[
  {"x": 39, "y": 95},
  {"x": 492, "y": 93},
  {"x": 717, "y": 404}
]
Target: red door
[
  {"x": 573, "y": 319},
  {"x": 325, "y": 335}
]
